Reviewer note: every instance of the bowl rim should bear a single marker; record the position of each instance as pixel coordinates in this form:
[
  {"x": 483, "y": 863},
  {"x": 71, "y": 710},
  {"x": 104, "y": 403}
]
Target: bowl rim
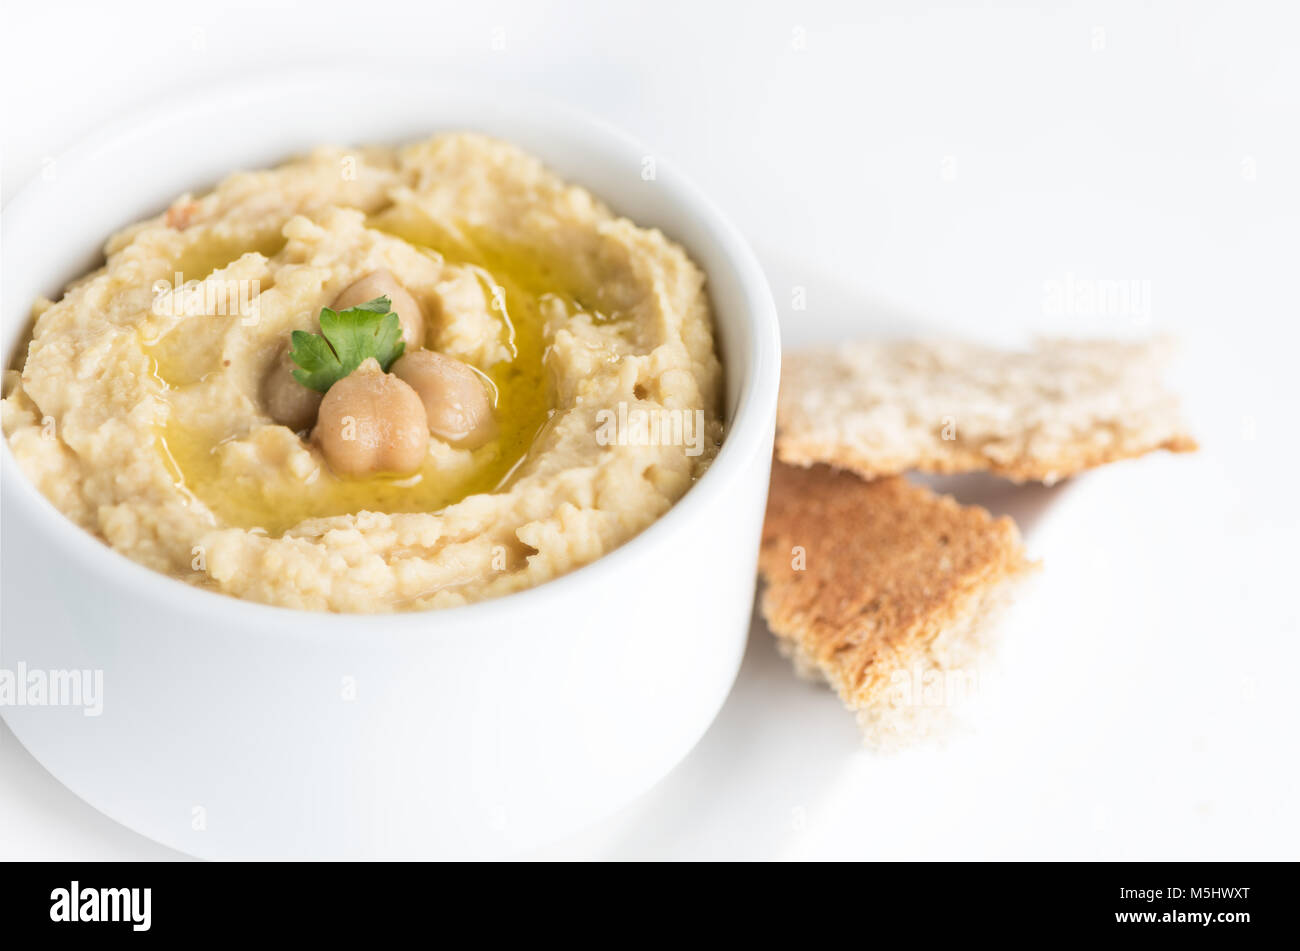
[{"x": 745, "y": 438}]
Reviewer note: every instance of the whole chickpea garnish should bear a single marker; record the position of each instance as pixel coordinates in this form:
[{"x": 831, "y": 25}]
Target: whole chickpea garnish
[
  {"x": 372, "y": 422},
  {"x": 382, "y": 283},
  {"x": 287, "y": 401},
  {"x": 456, "y": 399}
]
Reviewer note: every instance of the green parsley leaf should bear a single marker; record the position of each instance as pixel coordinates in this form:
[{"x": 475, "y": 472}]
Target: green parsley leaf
[{"x": 347, "y": 339}]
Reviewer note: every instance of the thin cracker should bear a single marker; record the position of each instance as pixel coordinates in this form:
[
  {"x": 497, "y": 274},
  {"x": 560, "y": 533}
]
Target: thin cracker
[
  {"x": 883, "y": 407},
  {"x": 869, "y": 583}
]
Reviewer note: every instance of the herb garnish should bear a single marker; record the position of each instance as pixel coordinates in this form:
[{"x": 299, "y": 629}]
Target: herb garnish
[{"x": 347, "y": 339}]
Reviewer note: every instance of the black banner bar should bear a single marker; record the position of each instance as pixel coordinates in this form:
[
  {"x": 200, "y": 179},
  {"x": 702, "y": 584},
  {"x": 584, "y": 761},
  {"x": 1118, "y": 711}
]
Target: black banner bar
[{"x": 1219, "y": 901}]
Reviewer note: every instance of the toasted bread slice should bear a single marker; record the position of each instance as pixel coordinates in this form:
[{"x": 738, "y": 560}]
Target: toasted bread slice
[
  {"x": 880, "y": 587},
  {"x": 883, "y": 407}
]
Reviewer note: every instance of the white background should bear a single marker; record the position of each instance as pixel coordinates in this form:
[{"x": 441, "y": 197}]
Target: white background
[{"x": 942, "y": 167}]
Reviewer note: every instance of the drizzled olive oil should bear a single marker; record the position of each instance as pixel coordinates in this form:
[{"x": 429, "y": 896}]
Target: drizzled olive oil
[
  {"x": 515, "y": 283},
  {"x": 201, "y": 260}
]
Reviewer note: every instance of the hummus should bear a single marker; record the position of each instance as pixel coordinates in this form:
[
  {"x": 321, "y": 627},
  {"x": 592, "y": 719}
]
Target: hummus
[{"x": 138, "y": 407}]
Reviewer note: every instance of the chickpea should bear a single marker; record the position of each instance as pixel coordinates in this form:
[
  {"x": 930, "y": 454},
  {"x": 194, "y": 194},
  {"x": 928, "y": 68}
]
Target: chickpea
[
  {"x": 287, "y": 401},
  {"x": 371, "y": 422},
  {"x": 456, "y": 401},
  {"x": 381, "y": 283}
]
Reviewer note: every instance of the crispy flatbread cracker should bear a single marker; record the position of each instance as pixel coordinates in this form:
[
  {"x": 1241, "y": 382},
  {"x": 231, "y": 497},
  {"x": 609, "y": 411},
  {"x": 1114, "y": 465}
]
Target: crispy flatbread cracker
[
  {"x": 874, "y": 586},
  {"x": 884, "y": 407}
]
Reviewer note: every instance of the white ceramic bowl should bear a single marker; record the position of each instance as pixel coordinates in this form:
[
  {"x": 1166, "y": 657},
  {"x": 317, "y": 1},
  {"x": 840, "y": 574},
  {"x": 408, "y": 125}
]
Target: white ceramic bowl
[{"x": 231, "y": 729}]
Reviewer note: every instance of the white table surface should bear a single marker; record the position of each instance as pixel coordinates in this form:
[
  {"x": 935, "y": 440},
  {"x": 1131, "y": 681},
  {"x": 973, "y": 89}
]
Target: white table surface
[{"x": 942, "y": 168}]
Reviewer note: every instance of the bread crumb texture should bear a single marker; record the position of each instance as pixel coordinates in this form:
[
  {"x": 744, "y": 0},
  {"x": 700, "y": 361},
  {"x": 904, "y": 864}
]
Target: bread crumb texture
[
  {"x": 882, "y": 407},
  {"x": 879, "y": 586}
]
